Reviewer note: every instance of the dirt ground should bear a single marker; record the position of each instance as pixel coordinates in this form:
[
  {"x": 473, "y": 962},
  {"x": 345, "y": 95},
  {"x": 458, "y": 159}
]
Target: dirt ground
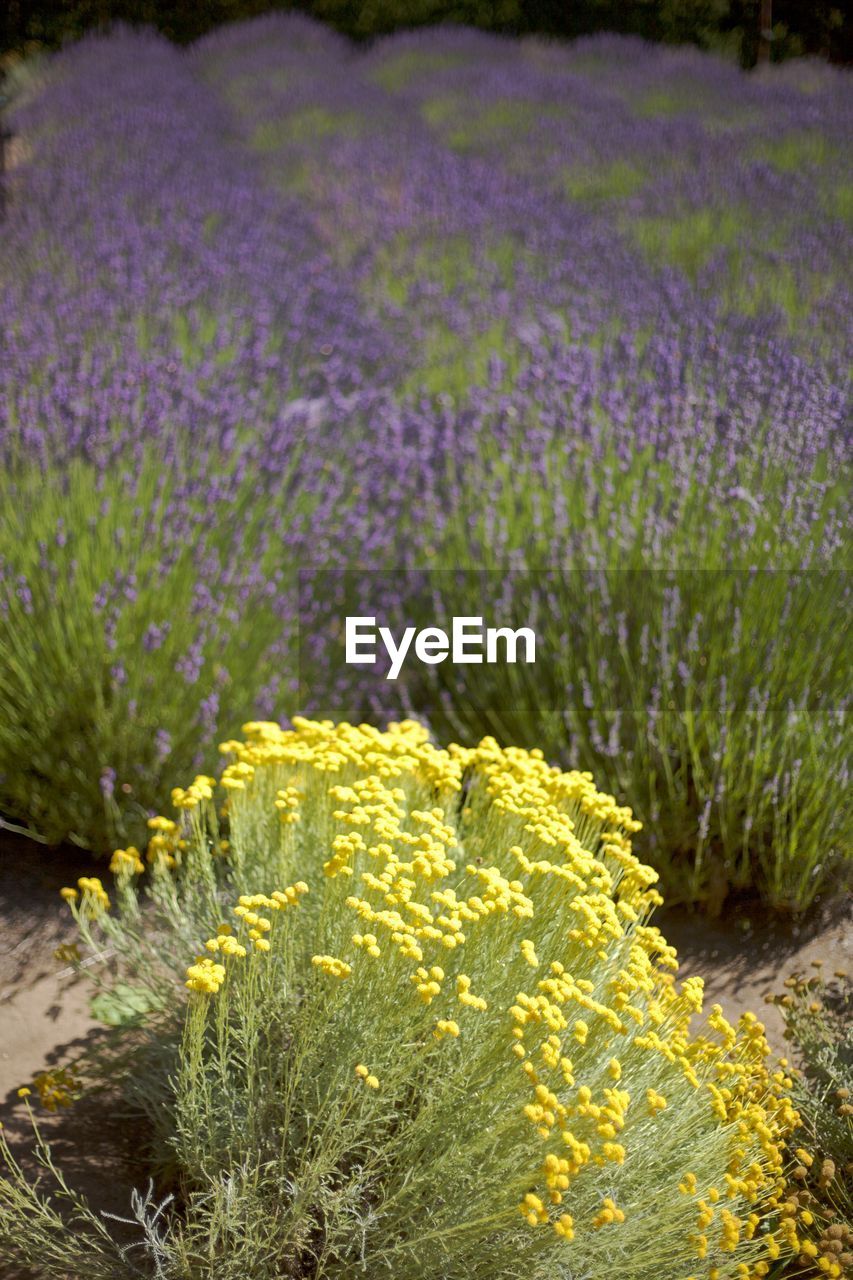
[
  {"x": 45, "y": 1017},
  {"x": 745, "y": 956},
  {"x": 44, "y": 1021}
]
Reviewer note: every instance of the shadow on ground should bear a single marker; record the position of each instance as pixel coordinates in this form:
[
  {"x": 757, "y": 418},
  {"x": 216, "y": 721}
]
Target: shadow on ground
[
  {"x": 45, "y": 1022},
  {"x": 747, "y": 954}
]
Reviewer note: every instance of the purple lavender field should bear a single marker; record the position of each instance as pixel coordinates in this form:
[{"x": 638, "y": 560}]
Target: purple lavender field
[{"x": 277, "y": 304}]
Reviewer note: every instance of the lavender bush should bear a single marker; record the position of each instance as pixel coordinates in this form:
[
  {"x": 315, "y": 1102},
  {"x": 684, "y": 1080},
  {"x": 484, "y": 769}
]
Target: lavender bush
[
  {"x": 172, "y": 336},
  {"x": 278, "y": 304}
]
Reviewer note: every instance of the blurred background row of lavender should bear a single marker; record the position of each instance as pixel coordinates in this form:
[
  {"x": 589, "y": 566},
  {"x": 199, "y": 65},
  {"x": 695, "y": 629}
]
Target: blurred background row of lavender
[
  {"x": 534, "y": 330},
  {"x": 750, "y": 31}
]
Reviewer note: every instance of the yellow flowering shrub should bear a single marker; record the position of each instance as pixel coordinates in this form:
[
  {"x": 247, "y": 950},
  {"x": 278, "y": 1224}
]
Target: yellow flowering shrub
[{"x": 430, "y": 1031}]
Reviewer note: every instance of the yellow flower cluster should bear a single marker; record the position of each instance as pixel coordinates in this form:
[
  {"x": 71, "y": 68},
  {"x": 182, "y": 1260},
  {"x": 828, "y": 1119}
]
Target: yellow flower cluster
[
  {"x": 331, "y": 965},
  {"x": 226, "y": 945},
  {"x": 368, "y": 941},
  {"x": 200, "y": 789},
  {"x": 438, "y": 871},
  {"x": 428, "y": 982},
  {"x": 287, "y": 803},
  {"x": 166, "y": 845},
  {"x": 207, "y": 976},
  {"x": 126, "y": 862},
  {"x": 466, "y": 996},
  {"x": 56, "y": 1088},
  {"x": 609, "y": 1212},
  {"x": 90, "y": 899}
]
